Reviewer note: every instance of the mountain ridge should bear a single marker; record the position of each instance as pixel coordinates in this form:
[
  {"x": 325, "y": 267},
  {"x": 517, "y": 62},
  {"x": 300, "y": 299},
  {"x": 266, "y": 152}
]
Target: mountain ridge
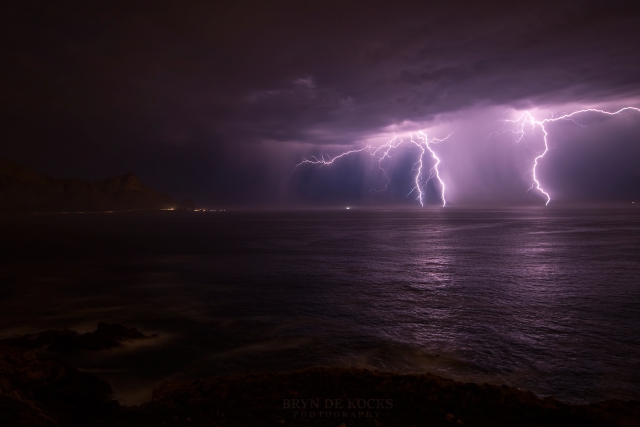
[{"x": 25, "y": 190}]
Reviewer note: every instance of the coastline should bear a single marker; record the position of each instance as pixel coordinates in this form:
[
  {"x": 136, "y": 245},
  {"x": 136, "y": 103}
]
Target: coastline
[{"x": 38, "y": 389}]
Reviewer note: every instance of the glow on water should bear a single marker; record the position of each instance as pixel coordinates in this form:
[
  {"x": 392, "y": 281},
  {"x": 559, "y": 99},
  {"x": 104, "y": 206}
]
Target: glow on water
[{"x": 539, "y": 298}]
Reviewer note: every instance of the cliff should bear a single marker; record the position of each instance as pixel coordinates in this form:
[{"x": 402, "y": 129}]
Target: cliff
[{"x": 23, "y": 190}]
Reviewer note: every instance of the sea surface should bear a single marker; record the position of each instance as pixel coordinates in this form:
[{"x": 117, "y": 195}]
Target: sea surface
[{"x": 544, "y": 299}]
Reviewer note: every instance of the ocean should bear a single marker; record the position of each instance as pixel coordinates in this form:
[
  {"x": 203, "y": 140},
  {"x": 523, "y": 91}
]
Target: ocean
[{"x": 544, "y": 299}]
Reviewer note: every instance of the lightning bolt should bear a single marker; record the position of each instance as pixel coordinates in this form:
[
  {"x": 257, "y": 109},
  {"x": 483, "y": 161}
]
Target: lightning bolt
[
  {"x": 528, "y": 120},
  {"x": 384, "y": 152},
  {"x": 424, "y": 142}
]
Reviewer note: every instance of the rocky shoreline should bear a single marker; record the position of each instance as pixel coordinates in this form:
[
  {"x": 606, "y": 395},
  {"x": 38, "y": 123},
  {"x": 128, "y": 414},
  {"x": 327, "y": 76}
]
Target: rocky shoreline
[{"x": 39, "y": 389}]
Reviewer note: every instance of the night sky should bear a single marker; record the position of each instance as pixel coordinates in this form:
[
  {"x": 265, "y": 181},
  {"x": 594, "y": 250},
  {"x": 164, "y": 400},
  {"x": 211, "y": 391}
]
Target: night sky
[{"x": 218, "y": 101}]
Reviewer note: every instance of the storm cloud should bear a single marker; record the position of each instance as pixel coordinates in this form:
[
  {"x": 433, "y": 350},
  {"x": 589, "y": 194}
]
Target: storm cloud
[{"x": 218, "y": 102}]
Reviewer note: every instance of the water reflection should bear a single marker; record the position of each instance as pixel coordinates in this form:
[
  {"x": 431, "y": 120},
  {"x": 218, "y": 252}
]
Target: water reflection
[{"x": 540, "y": 299}]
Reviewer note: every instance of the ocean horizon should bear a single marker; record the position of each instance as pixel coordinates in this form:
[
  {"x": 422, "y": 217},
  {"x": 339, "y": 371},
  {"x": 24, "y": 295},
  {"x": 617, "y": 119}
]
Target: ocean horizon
[{"x": 546, "y": 300}]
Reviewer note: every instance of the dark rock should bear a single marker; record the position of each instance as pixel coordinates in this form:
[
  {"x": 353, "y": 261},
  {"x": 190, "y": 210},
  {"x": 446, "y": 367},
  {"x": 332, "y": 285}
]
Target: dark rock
[
  {"x": 37, "y": 390},
  {"x": 106, "y": 336},
  {"x": 416, "y": 400}
]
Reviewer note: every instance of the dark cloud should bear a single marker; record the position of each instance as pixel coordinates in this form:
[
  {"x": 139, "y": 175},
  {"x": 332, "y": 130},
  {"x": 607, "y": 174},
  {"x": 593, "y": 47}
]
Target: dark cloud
[{"x": 217, "y": 101}]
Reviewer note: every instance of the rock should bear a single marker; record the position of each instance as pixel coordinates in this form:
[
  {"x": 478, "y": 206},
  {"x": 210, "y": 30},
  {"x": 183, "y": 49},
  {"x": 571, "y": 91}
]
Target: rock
[
  {"x": 38, "y": 390},
  {"x": 257, "y": 399},
  {"x": 104, "y": 337}
]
